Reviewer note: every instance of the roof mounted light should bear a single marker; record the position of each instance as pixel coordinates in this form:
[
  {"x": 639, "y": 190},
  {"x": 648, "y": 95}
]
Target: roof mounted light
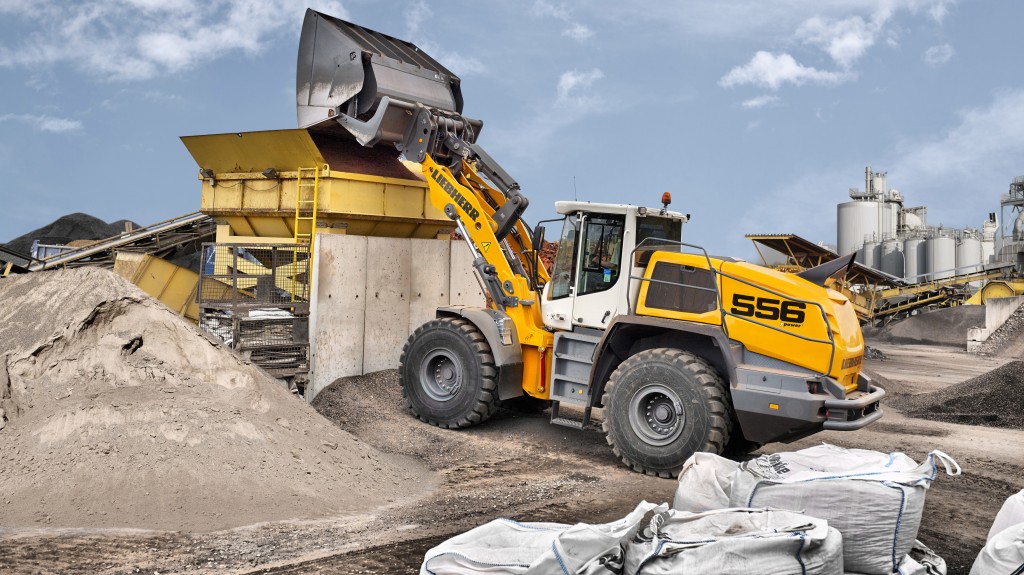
[{"x": 666, "y": 199}]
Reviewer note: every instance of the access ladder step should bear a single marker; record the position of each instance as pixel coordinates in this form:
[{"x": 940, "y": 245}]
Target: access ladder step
[{"x": 559, "y": 418}]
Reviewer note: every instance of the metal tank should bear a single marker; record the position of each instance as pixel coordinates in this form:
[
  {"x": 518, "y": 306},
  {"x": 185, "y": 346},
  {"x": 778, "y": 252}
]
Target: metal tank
[
  {"x": 915, "y": 259},
  {"x": 940, "y": 253},
  {"x": 869, "y": 254},
  {"x": 968, "y": 255},
  {"x": 856, "y": 220},
  {"x": 891, "y": 257},
  {"x": 988, "y": 241}
]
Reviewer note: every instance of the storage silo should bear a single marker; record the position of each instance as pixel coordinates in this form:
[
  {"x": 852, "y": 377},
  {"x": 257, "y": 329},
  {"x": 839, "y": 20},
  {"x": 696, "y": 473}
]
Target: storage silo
[
  {"x": 869, "y": 254},
  {"x": 856, "y": 220},
  {"x": 941, "y": 256},
  {"x": 968, "y": 254},
  {"x": 915, "y": 259},
  {"x": 988, "y": 240},
  {"x": 891, "y": 257}
]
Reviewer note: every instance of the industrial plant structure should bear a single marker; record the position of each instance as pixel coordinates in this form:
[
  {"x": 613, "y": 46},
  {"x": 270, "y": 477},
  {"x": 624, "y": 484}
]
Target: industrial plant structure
[{"x": 898, "y": 240}]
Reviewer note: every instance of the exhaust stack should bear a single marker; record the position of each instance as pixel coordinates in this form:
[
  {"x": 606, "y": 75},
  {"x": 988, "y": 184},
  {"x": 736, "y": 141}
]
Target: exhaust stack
[{"x": 377, "y": 89}]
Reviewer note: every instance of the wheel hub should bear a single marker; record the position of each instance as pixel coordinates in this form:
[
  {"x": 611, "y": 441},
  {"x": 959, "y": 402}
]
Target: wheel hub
[
  {"x": 656, "y": 414},
  {"x": 441, "y": 376}
]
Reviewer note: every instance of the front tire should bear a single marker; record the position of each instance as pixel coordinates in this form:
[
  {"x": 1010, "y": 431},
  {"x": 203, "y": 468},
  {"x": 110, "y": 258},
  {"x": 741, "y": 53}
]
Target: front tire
[
  {"x": 448, "y": 375},
  {"x": 663, "y": 405}
]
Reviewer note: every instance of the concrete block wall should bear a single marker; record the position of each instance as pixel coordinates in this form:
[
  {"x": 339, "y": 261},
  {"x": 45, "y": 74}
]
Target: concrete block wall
[
  {"x": 370, "y": 293},
  {"x": 997, "y": 311}
]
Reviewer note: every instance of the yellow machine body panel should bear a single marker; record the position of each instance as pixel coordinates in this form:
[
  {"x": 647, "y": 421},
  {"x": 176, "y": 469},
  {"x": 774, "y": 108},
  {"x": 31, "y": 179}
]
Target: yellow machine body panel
[
  {"x": 772, "y": 313},
  {"x": 174, "y": 286}
]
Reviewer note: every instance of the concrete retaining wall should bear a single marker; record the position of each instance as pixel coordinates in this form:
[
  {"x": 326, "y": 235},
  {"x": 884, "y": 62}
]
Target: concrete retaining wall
[
  {"x": 997, "y": 311},
  {"x": 370, "y": 293}
]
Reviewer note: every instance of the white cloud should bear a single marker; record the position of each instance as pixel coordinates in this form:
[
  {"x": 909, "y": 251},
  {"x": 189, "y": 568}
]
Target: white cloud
[
  {"x": 131, "y": 40},
  {"x": 989, "y": 138},
  {"x": 760, "y": 102},
  {"x": 938, "y": 55},
  {"x": 44, "y": 123},
  {"x": 773, "y": 70},
  {"x": 415, "y": 15},
  {"x": 575, "y": 98},
  {"x": 845, "y": 40},
  {"x": 578, "y": 32},
  {"x": 574, "y": 29},
  {"x": 576, "y": 81}
]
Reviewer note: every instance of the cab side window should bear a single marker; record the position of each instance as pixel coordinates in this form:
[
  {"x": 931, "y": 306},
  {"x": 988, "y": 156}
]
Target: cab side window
[
  {"x": 602, "y": 252},
  {"x": 564, "y": 273}
]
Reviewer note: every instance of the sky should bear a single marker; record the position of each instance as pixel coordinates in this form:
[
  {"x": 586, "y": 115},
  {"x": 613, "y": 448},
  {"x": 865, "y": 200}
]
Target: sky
[{"x": 757, "y": 116}]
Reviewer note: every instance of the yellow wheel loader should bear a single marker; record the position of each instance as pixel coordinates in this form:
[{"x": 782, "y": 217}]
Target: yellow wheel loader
[{"x": 680, "y": 350}]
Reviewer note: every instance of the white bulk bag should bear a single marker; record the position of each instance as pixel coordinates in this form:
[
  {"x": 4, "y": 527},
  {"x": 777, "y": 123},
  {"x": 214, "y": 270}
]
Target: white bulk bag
[
  {"x": 920, "y": 561},
  {"x": 1010, "y": 514},
  {"x": 504, "y": 546},
  {"x": 735, "y": 541},
  {"x": 1003, "y": 554},
  {"x": 874, "y": 499}
]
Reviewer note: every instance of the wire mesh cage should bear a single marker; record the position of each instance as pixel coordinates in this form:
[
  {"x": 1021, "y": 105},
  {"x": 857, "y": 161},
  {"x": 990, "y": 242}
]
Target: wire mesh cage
[
  {"x": 255, "y": 298},
  {"x": 254, "y": 274}
]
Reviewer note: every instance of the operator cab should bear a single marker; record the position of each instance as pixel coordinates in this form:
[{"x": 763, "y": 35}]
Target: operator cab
[{"x": 590, "y": 281}]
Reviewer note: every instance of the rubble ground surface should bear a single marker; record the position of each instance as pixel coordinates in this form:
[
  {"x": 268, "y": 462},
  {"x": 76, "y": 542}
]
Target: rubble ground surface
[{"x": 519, "y": 466}]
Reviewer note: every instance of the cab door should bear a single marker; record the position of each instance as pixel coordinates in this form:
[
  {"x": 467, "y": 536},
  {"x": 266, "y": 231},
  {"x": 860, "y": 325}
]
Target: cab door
[
  {"x": 559, "y": 292},
  {"x": 597, "y": 295}
]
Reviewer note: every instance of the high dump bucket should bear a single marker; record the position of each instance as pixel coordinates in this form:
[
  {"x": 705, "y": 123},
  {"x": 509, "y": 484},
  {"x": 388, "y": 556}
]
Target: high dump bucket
[{"x": 376, "y": 88}]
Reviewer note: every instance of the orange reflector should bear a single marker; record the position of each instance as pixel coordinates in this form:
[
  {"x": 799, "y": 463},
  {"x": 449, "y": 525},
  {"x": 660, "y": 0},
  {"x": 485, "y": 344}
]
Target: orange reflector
[{"x": 773, "y": 406}]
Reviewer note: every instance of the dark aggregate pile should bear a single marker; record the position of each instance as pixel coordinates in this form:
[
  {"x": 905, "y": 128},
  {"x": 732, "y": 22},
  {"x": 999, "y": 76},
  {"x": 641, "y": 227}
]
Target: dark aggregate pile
[
  {"x": 874, "y": 353},
  {"x": 946, "y": 326},
  {"x": 77, "y": 226},
  {"x": 1005, "y": 335},
  {"x": 993, "y": 399}
]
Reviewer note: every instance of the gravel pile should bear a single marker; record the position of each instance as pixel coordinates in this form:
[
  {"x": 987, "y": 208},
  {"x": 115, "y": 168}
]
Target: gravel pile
[
  {"x": 118, "y": 413},
  {"x": 946, "y": 326},
  {"x": 993, "y": 399},
  {"x": 874, "y": 353},
  {"x": 69, "y": 228}
]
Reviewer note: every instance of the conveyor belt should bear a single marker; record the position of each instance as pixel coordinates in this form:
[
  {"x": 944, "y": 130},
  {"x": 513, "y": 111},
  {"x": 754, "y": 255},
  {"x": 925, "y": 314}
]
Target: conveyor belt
[{"x": 125, "y": 239}]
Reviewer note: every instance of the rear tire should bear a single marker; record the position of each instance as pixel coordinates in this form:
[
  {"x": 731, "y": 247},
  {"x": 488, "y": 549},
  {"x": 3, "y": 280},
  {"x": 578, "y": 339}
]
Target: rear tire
[
  {"x": 448, "y": 375},
  {"x": 663, "y": 405}
]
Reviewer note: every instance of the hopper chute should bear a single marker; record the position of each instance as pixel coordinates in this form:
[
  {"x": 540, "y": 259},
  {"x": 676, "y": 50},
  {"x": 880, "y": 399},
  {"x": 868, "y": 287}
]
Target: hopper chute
[{"x": 376, "y": 88}]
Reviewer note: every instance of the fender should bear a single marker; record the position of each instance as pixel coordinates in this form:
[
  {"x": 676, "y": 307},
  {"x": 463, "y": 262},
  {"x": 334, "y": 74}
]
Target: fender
[
  {"x": 630, "y": 334},
  {"x": 507, "y": 358}
]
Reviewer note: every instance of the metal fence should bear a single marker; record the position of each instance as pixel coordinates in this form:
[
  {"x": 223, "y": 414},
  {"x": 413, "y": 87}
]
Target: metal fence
[{"x": 255, "y": 297}]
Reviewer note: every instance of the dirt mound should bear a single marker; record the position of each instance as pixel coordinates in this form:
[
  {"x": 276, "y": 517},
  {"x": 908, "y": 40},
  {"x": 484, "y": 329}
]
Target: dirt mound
[
  {"x": 947, "y": 326},
  {"x": 72, "y": 227},
  {"x": 993, "y": 399},
  {"x": 120, "y": 414}
]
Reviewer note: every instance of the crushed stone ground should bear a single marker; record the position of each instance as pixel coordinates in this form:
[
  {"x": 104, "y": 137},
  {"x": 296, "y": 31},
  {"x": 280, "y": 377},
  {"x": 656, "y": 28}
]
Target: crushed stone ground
[
  {"x": 993, "y": 399},
  {"x": 118, "y": 413}
]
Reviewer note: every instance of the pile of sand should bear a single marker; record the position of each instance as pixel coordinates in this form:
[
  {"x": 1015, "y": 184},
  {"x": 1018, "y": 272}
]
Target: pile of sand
[
  {"x": 120, "y": 414},
  {"x": 993, "y": 399},
  {"x": 946, "y": 326}
]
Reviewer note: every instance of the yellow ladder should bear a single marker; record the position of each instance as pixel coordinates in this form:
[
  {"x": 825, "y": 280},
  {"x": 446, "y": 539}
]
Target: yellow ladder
[{"x": 307, "y": 199}]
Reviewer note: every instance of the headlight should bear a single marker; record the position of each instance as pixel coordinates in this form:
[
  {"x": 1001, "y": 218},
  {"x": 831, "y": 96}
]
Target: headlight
[{"x": 504, "y": 330}]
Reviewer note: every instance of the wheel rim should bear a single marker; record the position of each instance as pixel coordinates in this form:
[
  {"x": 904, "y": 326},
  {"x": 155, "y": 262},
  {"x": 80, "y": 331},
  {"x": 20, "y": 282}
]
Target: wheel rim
[
  {"x": 656, "y": 415},
  {"x": 441, "y": 376}
]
